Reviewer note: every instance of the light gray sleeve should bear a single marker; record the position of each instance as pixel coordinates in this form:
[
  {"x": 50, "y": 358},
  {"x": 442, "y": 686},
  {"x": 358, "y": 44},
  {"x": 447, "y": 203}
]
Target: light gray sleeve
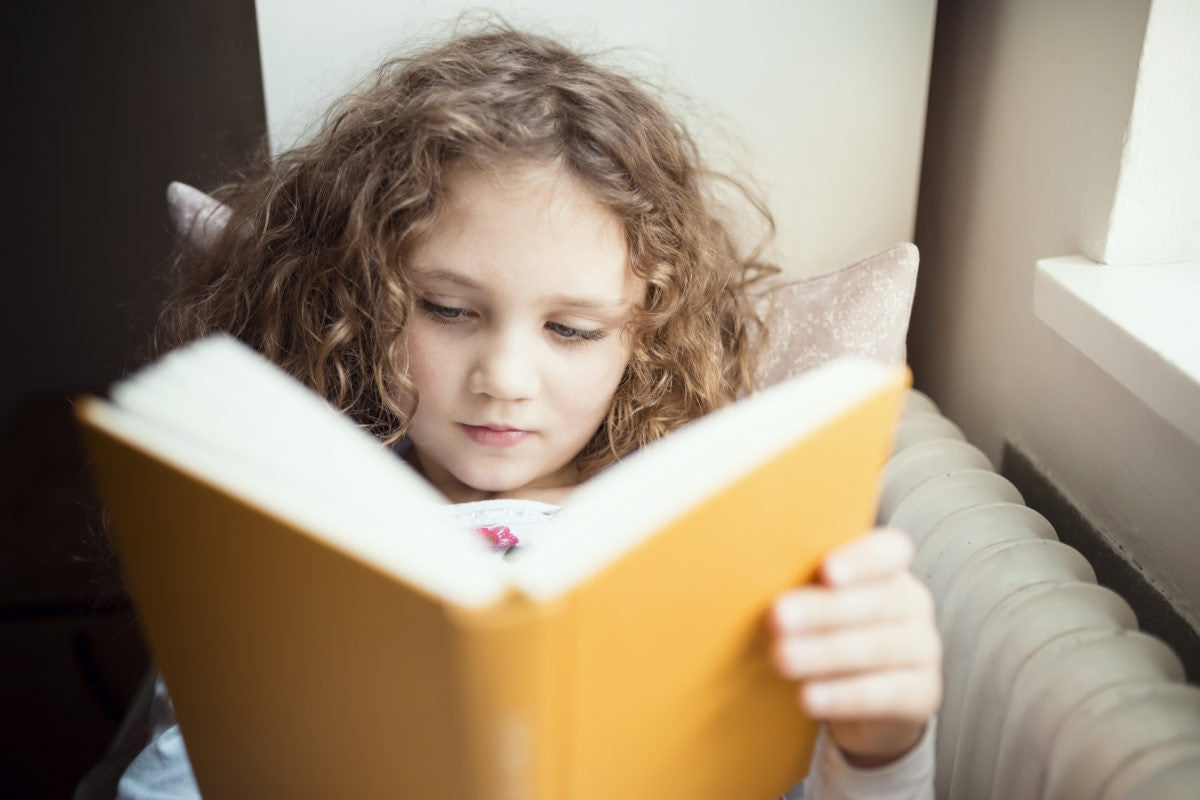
[
  {"x": 833, "y": 778},
  {"x": 161, "y": 771}
]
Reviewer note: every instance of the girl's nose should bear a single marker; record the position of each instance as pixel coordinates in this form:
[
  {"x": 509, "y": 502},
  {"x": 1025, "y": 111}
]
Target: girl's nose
[{"x": 504, "y": 368}]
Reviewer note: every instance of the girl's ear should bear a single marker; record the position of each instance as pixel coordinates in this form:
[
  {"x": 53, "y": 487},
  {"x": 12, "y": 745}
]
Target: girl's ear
[{"x": 196, "y": 217}]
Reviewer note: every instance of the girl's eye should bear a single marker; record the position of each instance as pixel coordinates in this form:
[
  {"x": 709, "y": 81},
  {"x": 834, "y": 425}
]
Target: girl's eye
[
  {"x": 575, "y": 335},
  {"x": 444, "y": 313}
]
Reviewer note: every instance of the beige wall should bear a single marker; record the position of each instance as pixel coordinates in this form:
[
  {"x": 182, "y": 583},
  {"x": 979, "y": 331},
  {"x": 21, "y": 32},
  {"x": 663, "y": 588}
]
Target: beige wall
[
  {"x": 826, "y": 96},
  {"x": 1030, "y": 103}
]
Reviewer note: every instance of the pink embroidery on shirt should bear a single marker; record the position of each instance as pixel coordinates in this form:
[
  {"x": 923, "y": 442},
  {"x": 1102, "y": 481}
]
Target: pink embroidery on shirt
[{"x": 499, "y": 535}]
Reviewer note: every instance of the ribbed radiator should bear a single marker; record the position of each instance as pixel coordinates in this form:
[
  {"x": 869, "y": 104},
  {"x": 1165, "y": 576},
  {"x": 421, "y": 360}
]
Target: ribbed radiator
[{"x": 1050, "y": 689}]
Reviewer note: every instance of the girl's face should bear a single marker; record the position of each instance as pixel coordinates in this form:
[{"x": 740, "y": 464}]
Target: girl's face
[{"x": 517, "y": 340}]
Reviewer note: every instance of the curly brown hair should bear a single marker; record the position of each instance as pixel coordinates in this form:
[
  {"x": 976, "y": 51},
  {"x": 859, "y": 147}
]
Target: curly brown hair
[{"x": 311, "y": 268}]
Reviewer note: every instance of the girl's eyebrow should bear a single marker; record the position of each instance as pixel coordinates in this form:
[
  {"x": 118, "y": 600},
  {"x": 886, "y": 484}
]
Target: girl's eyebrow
[
  {"x": 581, "y": 302},
  {"x": 446, "y": 275},
  {"x": 601, "y": 304}
]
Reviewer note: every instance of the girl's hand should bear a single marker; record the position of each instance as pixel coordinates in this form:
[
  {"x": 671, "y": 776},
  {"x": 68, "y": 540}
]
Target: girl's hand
[{"x": 863, "y": 643}]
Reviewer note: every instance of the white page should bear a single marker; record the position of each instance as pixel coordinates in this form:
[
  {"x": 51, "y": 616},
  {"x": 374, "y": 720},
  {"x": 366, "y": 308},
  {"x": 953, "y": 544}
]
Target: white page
[
  {"x": 701, "y": 458},
  {"x": 212, "y": 409}
]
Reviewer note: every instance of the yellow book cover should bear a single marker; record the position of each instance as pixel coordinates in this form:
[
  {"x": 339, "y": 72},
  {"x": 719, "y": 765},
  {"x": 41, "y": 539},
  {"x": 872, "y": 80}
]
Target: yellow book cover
[{"x": 327, "y": 629}]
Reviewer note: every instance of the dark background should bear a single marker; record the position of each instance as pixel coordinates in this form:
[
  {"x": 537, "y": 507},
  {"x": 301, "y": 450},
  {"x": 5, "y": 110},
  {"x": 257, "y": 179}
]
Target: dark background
[{"x": 106, "y": 103}]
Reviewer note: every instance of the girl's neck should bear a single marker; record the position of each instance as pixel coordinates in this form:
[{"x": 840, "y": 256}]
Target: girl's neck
[{"x": 554, "y": 492}]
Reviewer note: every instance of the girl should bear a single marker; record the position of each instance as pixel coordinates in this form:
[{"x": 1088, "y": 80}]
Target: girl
[{"x": 503, "y": 260}]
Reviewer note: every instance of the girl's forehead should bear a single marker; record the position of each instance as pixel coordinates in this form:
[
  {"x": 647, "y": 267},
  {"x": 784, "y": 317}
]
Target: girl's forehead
[
  {"x": 517, "y": 180},
  {"x": 535, "y": 225},
  {"x": 537, "y": 201}
]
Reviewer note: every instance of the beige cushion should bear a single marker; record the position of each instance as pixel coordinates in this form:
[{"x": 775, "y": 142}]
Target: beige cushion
[
  {"x": 196, "y": 217},
  {"x": 862, "y": 308}
]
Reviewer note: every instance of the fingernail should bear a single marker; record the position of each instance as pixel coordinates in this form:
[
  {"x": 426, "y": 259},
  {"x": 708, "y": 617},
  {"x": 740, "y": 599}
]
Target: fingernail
[
  {"x": 798, "y": 655},
  {"x": 817, "y": 697},
  {"x": 787, "y": 615},
  {"x": 838, "y": 572}
]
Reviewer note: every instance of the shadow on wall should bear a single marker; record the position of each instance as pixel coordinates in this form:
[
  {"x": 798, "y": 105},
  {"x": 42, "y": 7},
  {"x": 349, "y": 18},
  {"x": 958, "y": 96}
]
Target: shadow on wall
[
  {"x": 952, "y": 134},
  {"x": 112, "y": 101}
]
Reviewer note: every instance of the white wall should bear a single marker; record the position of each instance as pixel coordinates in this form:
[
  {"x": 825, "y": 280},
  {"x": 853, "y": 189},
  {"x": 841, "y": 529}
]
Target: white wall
[
  {"x": 827, "y": 97},
  {"x": 1154, "y": 212},
  {"x": 1029, "y": 110}
]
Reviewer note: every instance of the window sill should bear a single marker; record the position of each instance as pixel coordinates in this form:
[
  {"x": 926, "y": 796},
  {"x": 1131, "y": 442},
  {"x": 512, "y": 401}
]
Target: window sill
[{"x": 1138, "y": 323}]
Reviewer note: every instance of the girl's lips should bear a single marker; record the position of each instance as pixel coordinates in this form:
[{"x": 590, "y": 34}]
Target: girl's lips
[{"x": 495, "y": 437}]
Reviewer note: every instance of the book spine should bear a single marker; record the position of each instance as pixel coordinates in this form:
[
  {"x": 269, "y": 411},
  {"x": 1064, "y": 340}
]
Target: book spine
[{"x": 515, "y": 693}]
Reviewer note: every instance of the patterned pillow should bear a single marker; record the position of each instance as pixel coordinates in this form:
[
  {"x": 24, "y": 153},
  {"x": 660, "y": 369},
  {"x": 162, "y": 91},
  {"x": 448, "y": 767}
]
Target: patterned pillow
[
  {"x": 862, "y": 308},
  {"x": 195, "y": 216}
]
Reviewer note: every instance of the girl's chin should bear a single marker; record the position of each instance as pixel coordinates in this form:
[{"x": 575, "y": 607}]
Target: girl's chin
[
  {"x": 521, "y": 485},
  {"x": 481, "y": 486}
]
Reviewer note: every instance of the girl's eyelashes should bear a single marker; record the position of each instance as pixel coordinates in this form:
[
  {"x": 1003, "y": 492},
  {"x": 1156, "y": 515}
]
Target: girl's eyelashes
[
  {"x": 440, "y": 312},
  {"x": 567, "y": 334},
  {"x": 575, "y": 335}
]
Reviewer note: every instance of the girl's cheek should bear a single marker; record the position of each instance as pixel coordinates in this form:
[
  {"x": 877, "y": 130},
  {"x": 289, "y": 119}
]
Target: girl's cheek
[
  {"x": 593, "y": 380},
  {"x": 429, "y": 341}
]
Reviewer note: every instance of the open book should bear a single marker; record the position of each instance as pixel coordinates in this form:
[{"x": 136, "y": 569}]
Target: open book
[{"x": 326, "y": 628}]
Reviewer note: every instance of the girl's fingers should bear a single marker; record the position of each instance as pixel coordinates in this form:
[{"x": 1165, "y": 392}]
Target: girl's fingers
[
  {"x": 912, "y": 694},
  {"x": 873, "y": 556},
  {"x": 815, "y": 608},
  {"x": 864, "y": 645},
  {"x": 856, "y": 650}
]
